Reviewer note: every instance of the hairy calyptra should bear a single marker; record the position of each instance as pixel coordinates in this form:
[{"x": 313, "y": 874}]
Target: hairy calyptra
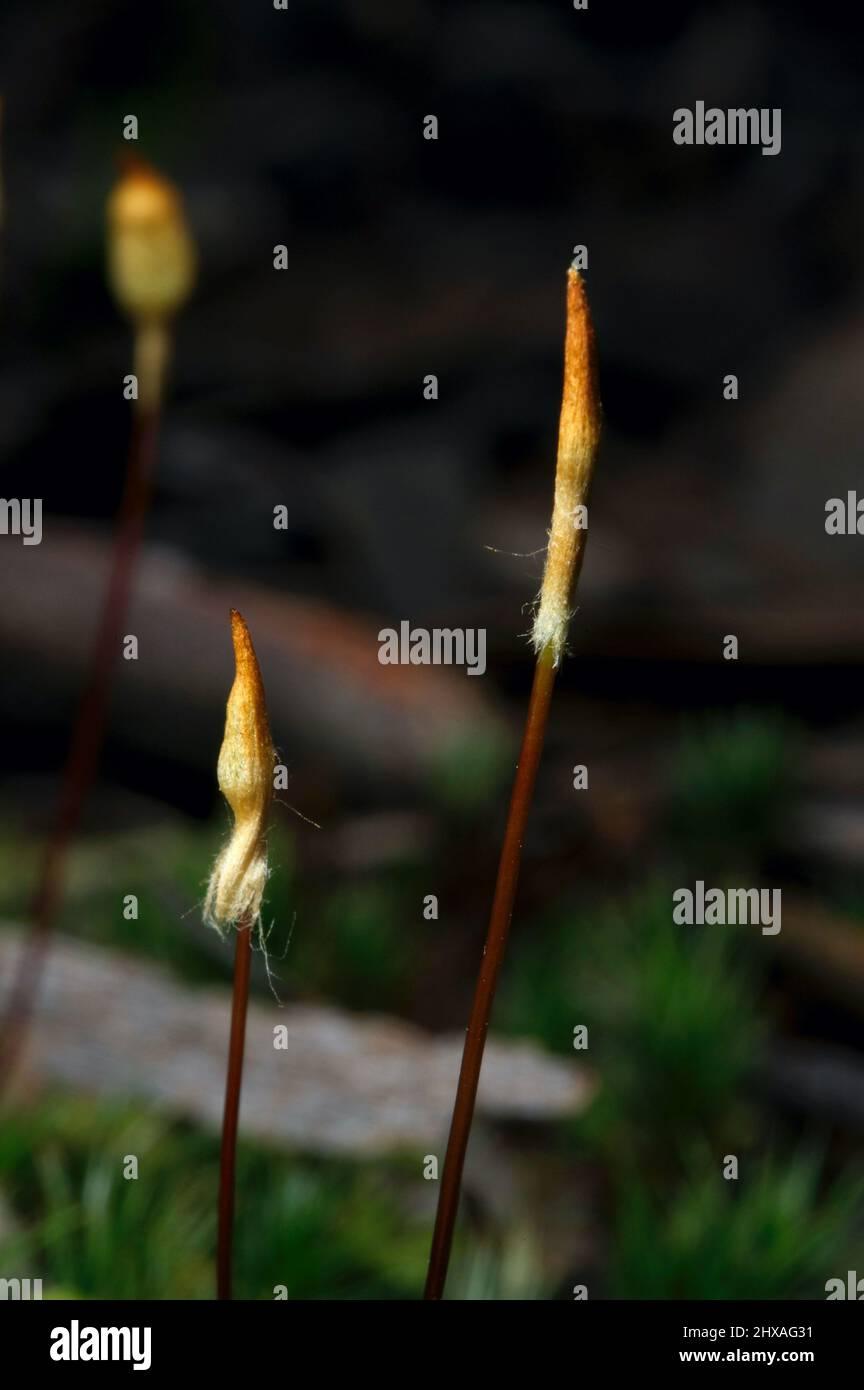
[
  {"x": 578, "y": 437},
  {"x": 245, "y": 773}
]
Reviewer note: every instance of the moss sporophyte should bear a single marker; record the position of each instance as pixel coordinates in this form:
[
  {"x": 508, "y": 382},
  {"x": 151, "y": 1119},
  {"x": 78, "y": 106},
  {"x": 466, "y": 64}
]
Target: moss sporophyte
[
  {"x": 578, "y": 438},
  {"x": 245, "y": 773},
  {"x": 151, "y": 270}
]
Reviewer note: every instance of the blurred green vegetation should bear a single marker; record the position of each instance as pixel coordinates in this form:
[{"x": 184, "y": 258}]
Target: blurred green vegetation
[
  {"x": 165, "y": 867},
  {"x": 778, "y": 1231},
  {"x": 729, "y": 782},
  {"x": 676, "y": 1016},
  {"x": 507, "y": 1269},
  {"x": 333, "y": 1229},
  {"x": 354, "y": 944},
  {"x": 671, "y": 1014},
  {"x": 472, "y": 773}
]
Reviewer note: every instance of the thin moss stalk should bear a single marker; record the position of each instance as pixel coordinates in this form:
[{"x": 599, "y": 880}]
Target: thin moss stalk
[{"x": 231, "y": 1114}]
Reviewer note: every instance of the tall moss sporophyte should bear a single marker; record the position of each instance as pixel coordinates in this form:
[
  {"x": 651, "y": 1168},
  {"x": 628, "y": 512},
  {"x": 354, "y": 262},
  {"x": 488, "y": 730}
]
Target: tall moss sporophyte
[{"x": 578, "y": 437}]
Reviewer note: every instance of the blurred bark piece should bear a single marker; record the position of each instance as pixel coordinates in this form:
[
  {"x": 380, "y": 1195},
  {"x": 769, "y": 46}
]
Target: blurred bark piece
[
  {"x": 327, "y": 691},
  {"x": 825, "y": 948},
  {"x": 112, "y": 1027},
  {"x": 829, "y": 832}
]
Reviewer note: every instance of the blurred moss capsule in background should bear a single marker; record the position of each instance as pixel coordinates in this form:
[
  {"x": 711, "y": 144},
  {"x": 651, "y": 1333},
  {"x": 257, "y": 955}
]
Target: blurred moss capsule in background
[
  {"x": 151, "y": 255},
  {"x": 151, "y": 268}
]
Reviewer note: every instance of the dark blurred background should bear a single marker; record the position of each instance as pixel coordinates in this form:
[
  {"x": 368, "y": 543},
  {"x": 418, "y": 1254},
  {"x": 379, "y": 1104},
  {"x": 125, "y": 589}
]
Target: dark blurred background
[{"x": 304, "y": 387}]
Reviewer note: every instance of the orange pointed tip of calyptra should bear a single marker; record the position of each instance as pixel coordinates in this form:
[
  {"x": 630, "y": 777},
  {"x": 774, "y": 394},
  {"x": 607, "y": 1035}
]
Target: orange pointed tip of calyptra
[
  {"x": 248, "y": 689},
  {"x": 244, "y": 652},
  {"x": 580, "y": 418}
]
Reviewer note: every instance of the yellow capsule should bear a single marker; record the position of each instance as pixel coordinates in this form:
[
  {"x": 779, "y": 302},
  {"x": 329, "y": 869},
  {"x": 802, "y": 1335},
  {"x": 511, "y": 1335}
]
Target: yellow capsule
[
  {"x": 245, "y": 773},
  {"x": 151, "y": 255}
]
